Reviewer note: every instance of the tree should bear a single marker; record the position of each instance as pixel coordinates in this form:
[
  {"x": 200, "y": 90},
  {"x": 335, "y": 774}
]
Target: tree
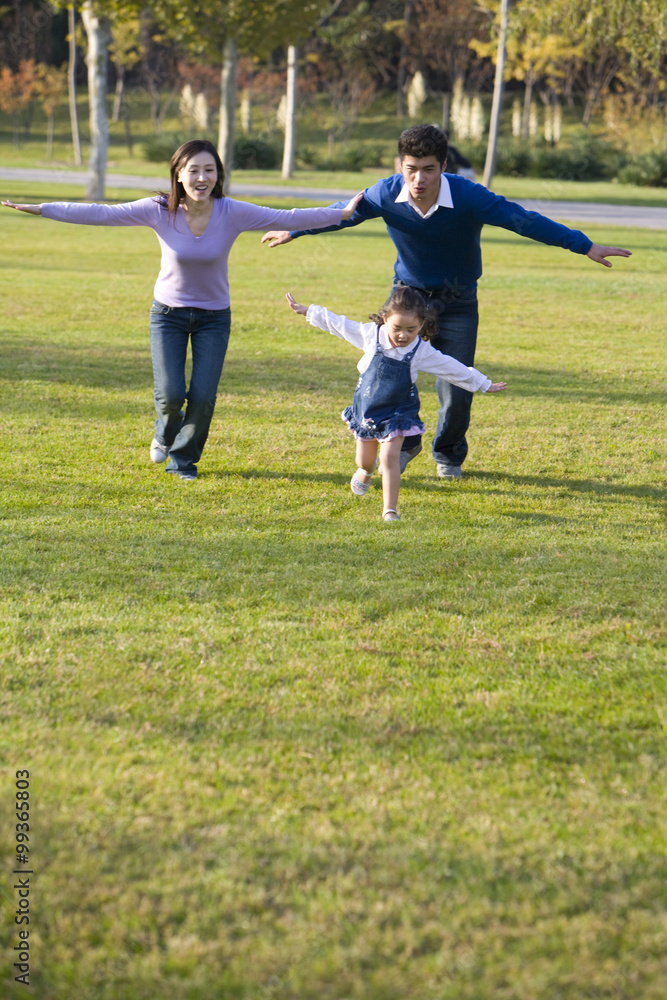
[
  {"x": 228, "y": 89},
  {"x": 401, "y": 77},
  {"x": 441, "y": 42},
  {"x": 602, "y": 31},
  {"x": 97, "y": 20},
  {"x": 50, "y": 87},
  {"x": 290, "y": 114},
  {"x": 351, "y": 52},
  {"x": 249, "y": 27},
  {"x": 160, "y": 67},
  {"x": 537, "y": 48},
  {"x": 16, "y": 91},
  {"x": 71, "y": 83},
  {"x": 126, "y": 51},
  {"x": 490, "y": 165},
  {"x": 98, "y": 29}
]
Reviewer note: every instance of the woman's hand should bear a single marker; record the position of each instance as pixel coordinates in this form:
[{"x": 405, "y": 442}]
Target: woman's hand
[
  {"x": 350, "y": 207},
  {"x": 497, "y": 387},
  {"x": 296, "y": 306},
  {"x": 30, "y": 209}
]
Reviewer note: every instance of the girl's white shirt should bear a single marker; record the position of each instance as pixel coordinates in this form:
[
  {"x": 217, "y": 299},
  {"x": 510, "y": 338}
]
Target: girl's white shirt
[{"x": 426, "y": 358}]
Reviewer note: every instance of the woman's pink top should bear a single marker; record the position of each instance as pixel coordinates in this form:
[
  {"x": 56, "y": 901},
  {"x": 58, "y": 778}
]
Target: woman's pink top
[{"x": 193, "y": 271}]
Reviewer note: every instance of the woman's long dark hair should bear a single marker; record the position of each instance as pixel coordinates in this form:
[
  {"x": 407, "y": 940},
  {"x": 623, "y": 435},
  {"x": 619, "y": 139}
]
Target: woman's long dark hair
[
  {"x": 403, "y": 298},
  {"x": 178, "y": 161}
]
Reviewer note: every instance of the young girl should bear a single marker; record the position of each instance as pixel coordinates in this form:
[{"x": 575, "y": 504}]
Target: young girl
[{"x": 385, "y": 408}]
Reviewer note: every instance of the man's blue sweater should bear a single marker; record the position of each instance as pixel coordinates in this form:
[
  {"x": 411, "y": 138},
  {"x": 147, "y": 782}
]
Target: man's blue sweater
[{"x": 444, "y": 250}]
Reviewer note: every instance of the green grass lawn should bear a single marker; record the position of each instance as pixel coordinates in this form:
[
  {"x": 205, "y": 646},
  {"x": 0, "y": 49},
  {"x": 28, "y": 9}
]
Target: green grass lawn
[{"x": 281, "y": 749}]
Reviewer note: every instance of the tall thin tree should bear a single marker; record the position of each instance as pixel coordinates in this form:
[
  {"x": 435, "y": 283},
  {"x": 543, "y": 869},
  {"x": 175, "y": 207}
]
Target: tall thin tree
[
  {"x": 497, "y": 105},
  {"x": 289, "y": 149},
  {"x": 98, "y": 29},
  {"x": 71, "y": 84},
  {"x": 226, "y": 131}
]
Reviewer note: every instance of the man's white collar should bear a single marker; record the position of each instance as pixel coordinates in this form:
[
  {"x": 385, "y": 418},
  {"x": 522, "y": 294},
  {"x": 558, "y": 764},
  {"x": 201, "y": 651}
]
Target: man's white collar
[{"x": 444, "y": 198}]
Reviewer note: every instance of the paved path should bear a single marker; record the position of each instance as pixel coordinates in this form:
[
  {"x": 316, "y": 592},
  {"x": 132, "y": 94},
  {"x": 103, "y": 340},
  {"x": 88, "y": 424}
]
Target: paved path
[{"x": 576, "y": 211}]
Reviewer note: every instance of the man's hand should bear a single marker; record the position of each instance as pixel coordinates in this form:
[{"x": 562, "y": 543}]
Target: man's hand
[
  {"x": 276, "y": 238},
  {"x": 598, "y": 253},
  {"x": 296, "y": 306}
]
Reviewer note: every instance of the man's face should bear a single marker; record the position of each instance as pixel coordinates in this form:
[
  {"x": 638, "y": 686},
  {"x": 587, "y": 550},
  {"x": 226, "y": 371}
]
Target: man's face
[{"x": 422, "y": 176}]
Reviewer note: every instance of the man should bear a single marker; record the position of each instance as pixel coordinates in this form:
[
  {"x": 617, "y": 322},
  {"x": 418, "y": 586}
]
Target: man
[{"x": 435, "y": 220}]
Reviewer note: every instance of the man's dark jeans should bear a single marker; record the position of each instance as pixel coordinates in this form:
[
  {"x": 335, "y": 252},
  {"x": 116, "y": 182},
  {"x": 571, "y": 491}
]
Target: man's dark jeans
[{"x": 457, "y": 336}]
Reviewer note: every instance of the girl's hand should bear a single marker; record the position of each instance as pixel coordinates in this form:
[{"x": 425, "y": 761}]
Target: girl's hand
[
  {"x": 497, "y": 387},
  {"x": 30, "y": 209},
  {"x": 296, "y": 306},
  {"x": 350, "y": 207}
]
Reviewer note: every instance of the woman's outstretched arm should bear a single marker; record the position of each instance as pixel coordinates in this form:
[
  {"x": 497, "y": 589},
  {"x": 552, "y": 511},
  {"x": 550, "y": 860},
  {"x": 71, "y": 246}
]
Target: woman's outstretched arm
[
  {"x": 143, "y": 212},
  {"x": 30, "y": 209}
]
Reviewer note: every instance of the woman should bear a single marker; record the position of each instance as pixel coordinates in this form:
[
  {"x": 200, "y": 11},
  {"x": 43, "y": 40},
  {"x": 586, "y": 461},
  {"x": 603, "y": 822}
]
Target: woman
[{"x": 196, "y": 226}]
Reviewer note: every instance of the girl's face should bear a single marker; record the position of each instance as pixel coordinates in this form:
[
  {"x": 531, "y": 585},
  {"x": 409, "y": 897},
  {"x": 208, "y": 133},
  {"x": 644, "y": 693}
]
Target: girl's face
[
  {"x": 199, "y": 177},
  {"x": 402, "y": 328}
]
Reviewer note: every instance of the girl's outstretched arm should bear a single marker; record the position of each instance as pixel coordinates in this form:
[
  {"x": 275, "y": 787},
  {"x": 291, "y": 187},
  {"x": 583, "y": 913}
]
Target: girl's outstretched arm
[
  {"x": 497, "y": 387},
  {"x": 30, "y": 209},
  {"x": 296, "y": 306}
]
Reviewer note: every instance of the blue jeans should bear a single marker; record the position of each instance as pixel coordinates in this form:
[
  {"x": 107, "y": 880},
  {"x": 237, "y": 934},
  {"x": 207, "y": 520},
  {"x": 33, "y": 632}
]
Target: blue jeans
[
  {"x": 458, "y": 320},
  {"x": 185, "y": 433}
]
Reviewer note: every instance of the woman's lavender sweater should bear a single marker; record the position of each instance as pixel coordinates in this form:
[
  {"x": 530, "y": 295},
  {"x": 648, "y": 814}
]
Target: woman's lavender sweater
[{"x": 193, "y": 271}]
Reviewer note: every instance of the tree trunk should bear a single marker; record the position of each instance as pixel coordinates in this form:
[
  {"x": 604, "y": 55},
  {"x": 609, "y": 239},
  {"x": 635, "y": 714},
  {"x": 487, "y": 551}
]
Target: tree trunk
[
  {"x": 289, "y": 149},
  {"x": 402, "y": 75},
  {"x": 588, "y": 109},
  {"x": 246, "y": 105},
  {"x": 49, "y": 137},
  {"x": 230, "y": 58},
  {"x": 446, "y": 111},
  {"x": 129, "y": 141},
  {"x": 527, "y": 101},
  {"x": 71, "y": 86},
  {"x": 496, "y": 107},
  {"x": 29, "y": 115},
  {"x": 119, "y": 93},
  {"x": 570, "y": 77},
  {"x": 98, "y": 30}
]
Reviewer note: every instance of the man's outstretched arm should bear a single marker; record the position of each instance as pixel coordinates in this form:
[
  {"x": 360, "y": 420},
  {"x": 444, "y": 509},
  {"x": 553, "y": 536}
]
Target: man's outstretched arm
[{"x": 495, "y": 210}]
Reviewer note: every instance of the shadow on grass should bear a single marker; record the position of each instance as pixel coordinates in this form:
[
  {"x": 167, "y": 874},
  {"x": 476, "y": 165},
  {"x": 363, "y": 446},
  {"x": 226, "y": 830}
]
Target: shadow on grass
[
  {"x": 95, "y": 365},
  {"x": 430, "y": 484},
  {"x": 574, "y": 485}
]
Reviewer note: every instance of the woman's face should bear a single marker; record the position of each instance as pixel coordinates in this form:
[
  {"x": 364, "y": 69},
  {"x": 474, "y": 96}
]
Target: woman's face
[{"x": 199, "y": 176}]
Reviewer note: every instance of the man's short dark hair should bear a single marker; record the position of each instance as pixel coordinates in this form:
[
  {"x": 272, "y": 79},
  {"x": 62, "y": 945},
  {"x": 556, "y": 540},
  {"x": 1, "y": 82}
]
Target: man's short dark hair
[{"x": 421, "y": 141}]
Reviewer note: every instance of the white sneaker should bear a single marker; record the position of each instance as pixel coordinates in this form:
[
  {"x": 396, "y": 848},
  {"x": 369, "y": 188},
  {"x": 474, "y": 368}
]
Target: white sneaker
[
  {"x": 159, "y": 452},
  {"x": 358, "y": 486}
]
